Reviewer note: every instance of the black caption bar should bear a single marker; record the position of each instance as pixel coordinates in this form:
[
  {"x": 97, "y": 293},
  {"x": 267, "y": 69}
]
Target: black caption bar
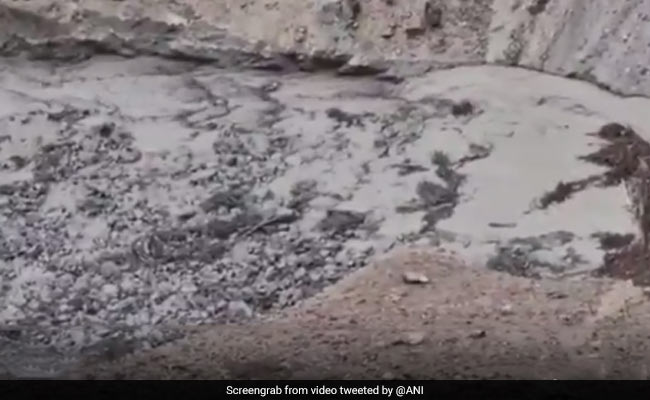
[
  {"x": 384, "y": 389},
  {"x": 191, "y": 390}
]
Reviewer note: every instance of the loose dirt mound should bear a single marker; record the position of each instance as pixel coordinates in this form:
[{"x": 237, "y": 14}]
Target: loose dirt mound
[{"x": 462, "y": 323}]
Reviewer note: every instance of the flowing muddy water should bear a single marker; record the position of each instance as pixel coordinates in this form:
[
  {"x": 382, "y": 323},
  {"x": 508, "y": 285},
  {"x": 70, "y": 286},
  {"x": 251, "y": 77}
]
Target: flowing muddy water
[{"x": 142, "y": 196}]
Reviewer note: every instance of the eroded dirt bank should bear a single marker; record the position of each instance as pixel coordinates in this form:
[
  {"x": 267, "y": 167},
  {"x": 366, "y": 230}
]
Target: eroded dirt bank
[
  {"x": 604, "y": 43},
  {"x": 465, "y": 323}
]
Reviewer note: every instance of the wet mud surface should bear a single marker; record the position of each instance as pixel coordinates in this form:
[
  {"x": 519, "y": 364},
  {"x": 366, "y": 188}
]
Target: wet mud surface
[
  {"x": 138, "y": 202},
  {"x": 141, "y": 197}
]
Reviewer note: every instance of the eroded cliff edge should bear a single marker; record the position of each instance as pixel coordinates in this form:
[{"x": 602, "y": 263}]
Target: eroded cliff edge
[{"x": 604, "y": 43}]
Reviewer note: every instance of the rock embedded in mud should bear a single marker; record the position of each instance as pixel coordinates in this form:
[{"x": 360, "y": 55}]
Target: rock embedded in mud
[
  {"x": 415, "y": 278},
  {"x": 410, "y": 339},
  {"x": 477, "y": 334},
  {"x": 506, "y": 310}
]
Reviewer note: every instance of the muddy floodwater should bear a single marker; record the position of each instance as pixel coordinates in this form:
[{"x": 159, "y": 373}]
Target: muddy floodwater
[{"x": 141, "y": 196}]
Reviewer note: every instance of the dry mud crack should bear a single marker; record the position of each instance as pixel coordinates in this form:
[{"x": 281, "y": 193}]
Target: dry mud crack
[{"x": 142, "y": 196}]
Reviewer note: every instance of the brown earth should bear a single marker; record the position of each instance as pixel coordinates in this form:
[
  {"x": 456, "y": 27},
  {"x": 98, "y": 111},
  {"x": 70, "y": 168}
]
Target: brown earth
[{"x": 463, "y": 323}]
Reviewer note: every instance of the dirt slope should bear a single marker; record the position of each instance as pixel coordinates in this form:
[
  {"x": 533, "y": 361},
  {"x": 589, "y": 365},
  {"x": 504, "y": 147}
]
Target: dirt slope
[{"x": 464, "y": 323}]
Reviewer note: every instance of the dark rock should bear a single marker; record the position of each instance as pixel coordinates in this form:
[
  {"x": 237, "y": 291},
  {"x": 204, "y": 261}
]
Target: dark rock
[
  {"x": 478, "y": 334},
  {"x": 340, "y": 221}
]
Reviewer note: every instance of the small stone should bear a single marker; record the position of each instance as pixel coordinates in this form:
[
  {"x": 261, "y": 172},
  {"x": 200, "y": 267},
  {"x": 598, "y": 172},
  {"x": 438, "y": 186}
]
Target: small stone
[
  {"x": 411, "y": 339},
  {"x": 389, "y": 32},
  {"x": 300, "y": 272},
  {"x": 189, "y": 288},
  {"x": 315, "y": 276},
  {"x": 415, "y": 278},
  {"x": 110, "y": 290},
  {"x": 96, "y": 281},
  {"x": 478, "y": 334},
  {"x": 239, "y": 309},
  {"x": 506, "y": 310},
  {"x": 415, "y": 338},
  {"x": 109, "y": 269},
  {"x": 128, "y": 285},
  {"x": 329, "y": 270}
]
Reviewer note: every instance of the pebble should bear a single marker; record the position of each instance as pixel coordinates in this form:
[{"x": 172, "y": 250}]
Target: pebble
[
  {"x": 478, "y": 334},
  {"x": 110, "y": 290},
  {"x": 415, "y": 278},
  {"x": 300, "y": 272},
  {"x": 411, "y": 339},
  {"x": 315, "y": 276},
  {"x": 109, "y": 269},
  {"x": 239, "y": 309},
  {"x": 506, "y": 310}
]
